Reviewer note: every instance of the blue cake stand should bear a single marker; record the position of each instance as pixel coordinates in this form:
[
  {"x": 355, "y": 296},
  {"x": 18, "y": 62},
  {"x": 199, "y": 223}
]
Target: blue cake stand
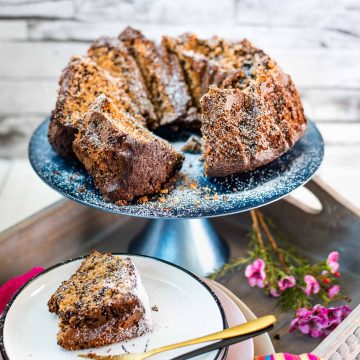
[{"x": 179, "y": 230}]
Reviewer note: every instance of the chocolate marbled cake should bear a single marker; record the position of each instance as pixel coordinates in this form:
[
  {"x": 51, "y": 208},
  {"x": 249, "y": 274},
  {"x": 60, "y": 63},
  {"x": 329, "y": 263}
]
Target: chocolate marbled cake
[
  {"x": 125, "y": 159},
  {"x": 103, "y": 302}
]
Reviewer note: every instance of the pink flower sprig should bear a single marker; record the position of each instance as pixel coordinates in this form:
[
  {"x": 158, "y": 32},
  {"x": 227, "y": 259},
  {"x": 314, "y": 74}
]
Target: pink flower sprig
[
  {"x": 293, "y": 280},
  {"x": 318, "y": 321}
]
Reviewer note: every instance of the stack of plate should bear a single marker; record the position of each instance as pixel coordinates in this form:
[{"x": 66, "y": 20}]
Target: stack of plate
[{"x": 184, "y": 307}]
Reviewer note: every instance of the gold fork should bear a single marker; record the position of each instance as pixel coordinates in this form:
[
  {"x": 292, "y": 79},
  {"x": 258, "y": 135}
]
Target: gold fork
[{"x": 243, "y": 329}]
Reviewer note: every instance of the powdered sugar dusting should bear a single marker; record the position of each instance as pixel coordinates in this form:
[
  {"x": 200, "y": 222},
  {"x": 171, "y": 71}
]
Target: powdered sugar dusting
[{"x": 193, "y": 195}]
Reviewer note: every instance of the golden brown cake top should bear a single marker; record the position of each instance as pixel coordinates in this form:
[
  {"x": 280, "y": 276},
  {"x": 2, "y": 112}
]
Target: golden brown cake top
[
  {"x": 163, "y": 76},
  {"x": 100, "y": 281},
  {"x": 250, "y": 120},
  {"x": 112, "y": 55},
  {"x": 81, "y": 82}
]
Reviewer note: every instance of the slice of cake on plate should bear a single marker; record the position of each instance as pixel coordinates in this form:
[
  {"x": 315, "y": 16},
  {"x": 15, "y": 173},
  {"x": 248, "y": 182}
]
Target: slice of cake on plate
[
  {"x": 81, "y": 82},
  {"x": 103, "y": 302},
  {"x": 125, "y": 159}
]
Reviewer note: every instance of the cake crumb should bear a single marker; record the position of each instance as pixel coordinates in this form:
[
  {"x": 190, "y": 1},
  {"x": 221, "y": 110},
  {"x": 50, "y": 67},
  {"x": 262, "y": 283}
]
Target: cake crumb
[
  {"x": 143, "y": 200},
  {"x": 193, "y": 145},
  {"x": 81, "y": 188},
  {"x": 193, "y": 186},
  {"x": 155, "y": 308}
]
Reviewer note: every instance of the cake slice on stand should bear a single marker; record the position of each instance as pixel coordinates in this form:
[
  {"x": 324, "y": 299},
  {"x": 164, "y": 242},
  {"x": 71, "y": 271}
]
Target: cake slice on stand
[
  {"x": 81, "y": 82},
  {"x": 125, "y": 159}
]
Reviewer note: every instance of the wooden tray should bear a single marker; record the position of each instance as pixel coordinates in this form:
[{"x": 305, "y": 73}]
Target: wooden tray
[{"x": 68, "y": 229}]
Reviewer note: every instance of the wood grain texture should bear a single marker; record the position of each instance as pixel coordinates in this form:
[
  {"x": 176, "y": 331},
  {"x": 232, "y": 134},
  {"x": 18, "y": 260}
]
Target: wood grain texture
[{"x": 68, "y": 230}]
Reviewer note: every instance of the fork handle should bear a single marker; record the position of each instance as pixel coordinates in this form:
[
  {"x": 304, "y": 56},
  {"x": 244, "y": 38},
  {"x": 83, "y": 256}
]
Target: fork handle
[
  {"x": 243, "y": 329},
  {"x": 221, "y": 344}
]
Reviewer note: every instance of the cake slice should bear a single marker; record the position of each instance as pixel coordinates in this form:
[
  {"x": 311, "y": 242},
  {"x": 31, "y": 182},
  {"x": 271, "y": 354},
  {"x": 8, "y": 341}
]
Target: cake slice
[
  {"x": 103, "y": 302},
  {"x": 251, "y": 120},
  {"x": 163, "y": 76},
  {"x": 125, "y": 159},
  {"x": 81, "y": 82},
  {"x": 112, "y": 55}
]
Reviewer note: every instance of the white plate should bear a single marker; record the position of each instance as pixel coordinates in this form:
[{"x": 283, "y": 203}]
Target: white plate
[
  {"x": 234, "y": 316},
  {"x": 262, "y": 343},
  {"x": 187, "y": 309}
]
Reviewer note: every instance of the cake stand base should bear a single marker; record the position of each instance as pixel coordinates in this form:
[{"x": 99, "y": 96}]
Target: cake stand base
[{"x": 192, "y": 244}]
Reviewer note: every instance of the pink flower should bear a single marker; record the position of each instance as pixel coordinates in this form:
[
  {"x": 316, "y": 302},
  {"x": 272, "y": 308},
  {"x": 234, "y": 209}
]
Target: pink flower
[
  {"x": 319, "y": 321},
  {"x": 274, "y": 292},
  {"x": 333, "y": 261},
  {"x": 255, "y": 273},
  {"x": 321, "y": 311},
  {"x": 345, "y": 311},
  {"x": 312, "y": 285},
  {"x": 334, "y": 315},
  {"x": 302, "y": 312},
  {"x": 334, "y": 290},
  {"x": 286, "y": 282},
  {"x": 313, "y": 325}
]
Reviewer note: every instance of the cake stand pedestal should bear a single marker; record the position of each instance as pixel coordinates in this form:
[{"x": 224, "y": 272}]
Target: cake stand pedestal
[
  {"x": 179, "y": 230},
  {"x": 192, "y": 244}
]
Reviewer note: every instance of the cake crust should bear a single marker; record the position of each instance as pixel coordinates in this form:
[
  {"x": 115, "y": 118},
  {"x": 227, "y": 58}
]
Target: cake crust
[
  {"x": 81, "y": 82},
  {"x": 125, "y": 159},
  {"x": 112, "y": 55},
  {"x": 250, "y": 122},
  {"x": 163, "y": 76},
  {"x": 103, "y": 302}
]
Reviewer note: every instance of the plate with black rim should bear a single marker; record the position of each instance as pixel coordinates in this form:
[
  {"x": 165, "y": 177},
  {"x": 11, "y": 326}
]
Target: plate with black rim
[
  {"x": 193, "y": 195},
  {"x": 186, "y": 308}
]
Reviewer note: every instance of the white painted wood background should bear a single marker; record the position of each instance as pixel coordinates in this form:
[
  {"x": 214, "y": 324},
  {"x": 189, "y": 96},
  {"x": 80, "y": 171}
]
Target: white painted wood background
[{"x": 317, "y": 42}]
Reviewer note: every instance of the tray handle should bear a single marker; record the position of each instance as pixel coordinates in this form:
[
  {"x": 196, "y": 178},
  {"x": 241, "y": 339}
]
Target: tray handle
[{"x": 327, "y": 197}]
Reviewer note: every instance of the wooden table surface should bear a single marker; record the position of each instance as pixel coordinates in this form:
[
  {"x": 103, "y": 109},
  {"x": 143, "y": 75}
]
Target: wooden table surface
[{"x": 318, "y": 44}]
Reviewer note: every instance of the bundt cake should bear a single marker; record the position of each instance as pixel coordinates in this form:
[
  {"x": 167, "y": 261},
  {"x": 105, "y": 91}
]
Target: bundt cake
[
  {"x": 125, "y": 159},
  {"x": 249, "y": 110},
  {"x": 81, "y": 82},
  {"x": 103, "y": 302}
]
